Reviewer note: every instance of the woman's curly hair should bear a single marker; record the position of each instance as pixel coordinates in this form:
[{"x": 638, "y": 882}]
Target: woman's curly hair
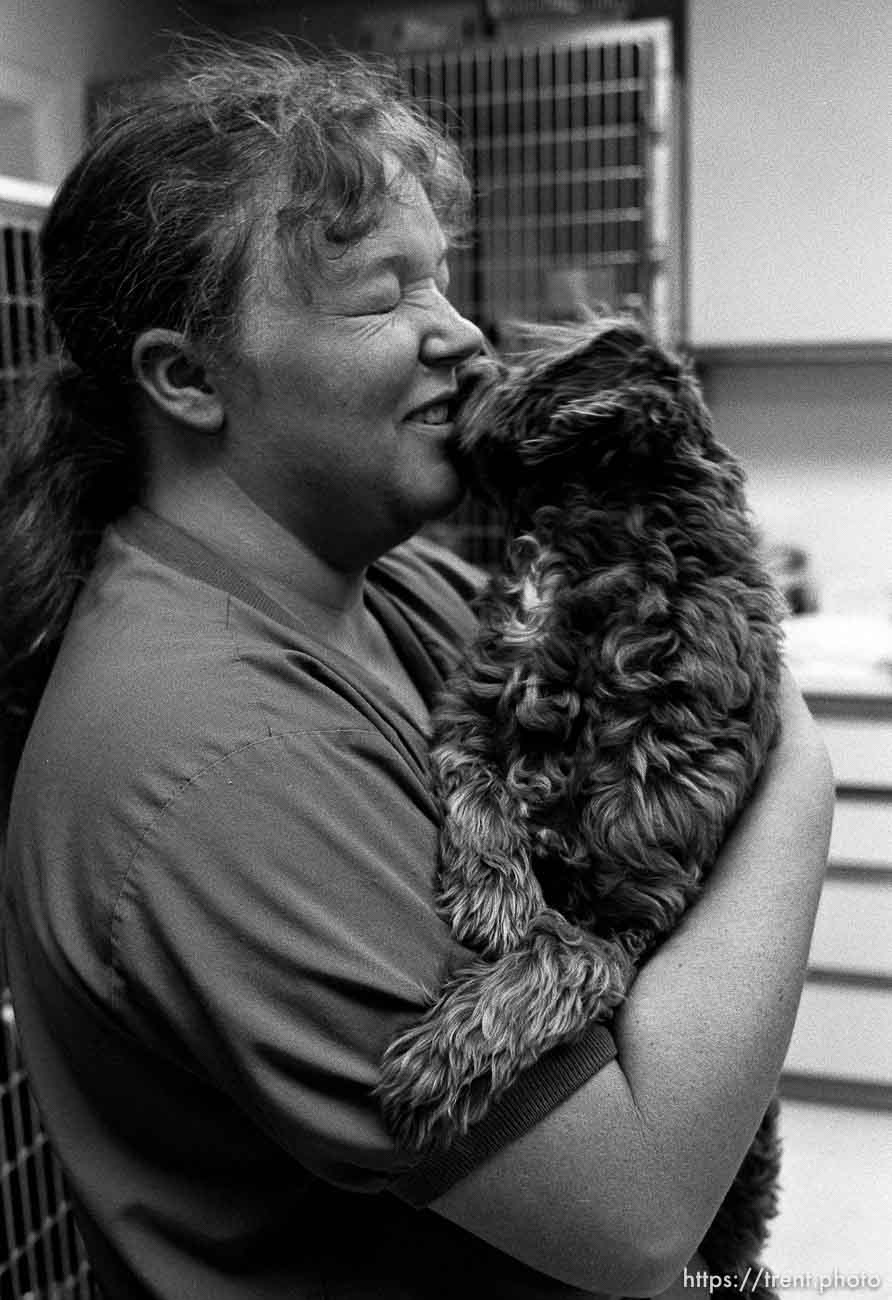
[{"x": 184, "y": 176}]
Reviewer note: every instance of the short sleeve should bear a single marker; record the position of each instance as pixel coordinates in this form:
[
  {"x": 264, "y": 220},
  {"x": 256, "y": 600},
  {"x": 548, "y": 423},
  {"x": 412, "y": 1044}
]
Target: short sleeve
[
  {"x": 279, "y": 916},
  {"x": 280, "y": 911}
]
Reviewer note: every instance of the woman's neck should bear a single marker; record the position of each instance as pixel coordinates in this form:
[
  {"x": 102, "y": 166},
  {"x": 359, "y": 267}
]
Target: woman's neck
[
  {"x": 205, "y": 502},
  {"x": 209, "y": 505}
]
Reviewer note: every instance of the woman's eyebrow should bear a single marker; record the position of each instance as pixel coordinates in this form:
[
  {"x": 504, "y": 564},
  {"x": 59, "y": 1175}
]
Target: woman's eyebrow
[{"x": 400, "y": 261}]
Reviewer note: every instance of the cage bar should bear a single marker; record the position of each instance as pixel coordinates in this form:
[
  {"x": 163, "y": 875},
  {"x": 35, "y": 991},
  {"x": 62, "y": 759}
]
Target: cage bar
[{"x": 41, "y": 1254}]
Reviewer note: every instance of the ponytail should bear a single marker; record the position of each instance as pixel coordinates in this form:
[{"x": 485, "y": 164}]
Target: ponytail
[{"x": 68, "y": 466}]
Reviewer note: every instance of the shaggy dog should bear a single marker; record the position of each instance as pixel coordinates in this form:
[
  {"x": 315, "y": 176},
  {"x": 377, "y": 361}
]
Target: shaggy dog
[{"x": 604, "y": 729}]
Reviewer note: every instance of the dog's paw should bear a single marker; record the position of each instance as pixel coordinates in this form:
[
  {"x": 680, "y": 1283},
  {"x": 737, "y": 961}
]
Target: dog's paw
[
  {"x": 441, "y": 1074},
  {"x": 423, "y": 1101},
  {"x": 492, "y": 1021}
]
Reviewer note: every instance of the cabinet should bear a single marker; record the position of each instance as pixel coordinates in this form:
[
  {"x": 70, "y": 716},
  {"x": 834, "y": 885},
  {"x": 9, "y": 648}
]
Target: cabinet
[
  {"x": 842, "y": 1043},
  {"x": 789, "y": 176}
]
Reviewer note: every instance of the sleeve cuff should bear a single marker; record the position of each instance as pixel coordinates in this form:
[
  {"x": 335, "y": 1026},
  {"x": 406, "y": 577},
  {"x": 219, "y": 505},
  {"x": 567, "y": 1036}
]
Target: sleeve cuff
[{"x": 537, "y": 1092}]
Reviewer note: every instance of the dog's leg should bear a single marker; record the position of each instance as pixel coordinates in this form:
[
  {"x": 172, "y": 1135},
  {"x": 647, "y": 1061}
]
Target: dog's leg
[
  {"x": 487, "y": 889},
  {"x": 497, "y": 711},
  {"x": 492, "y": 1021}
]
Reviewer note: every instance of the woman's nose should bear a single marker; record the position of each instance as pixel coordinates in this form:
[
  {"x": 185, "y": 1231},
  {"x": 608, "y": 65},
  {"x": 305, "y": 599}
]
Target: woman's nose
[{"x": 451, "y": 338}]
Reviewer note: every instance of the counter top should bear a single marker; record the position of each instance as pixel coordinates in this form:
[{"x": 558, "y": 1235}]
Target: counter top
[{"x": 842, "y": 659}]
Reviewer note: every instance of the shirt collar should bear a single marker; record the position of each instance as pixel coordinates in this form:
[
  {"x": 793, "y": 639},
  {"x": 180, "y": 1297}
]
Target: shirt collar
[{"x": 219, "y": 514}]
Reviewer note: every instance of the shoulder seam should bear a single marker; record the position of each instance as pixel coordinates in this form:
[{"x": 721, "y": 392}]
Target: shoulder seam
[{"x": 180, "y": 789}]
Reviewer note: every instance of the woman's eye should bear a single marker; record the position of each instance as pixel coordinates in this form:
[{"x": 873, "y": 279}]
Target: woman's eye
[
  {"x": 384, "y": 297},
  {"x": 387, "y": 304},
  {"x": 379, "y": 304}
]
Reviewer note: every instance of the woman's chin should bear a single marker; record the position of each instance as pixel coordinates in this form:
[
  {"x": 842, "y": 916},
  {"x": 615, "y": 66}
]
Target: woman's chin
[
  {"x": 452, "y": 493},
  {"x": 438, "y": 499}
]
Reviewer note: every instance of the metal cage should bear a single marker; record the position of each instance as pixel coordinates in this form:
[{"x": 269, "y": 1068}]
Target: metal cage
[
  {"x": 25, "y": 334},
  {"x": 42, "y": 1257},
  {"x": 41, "y": 1254}
]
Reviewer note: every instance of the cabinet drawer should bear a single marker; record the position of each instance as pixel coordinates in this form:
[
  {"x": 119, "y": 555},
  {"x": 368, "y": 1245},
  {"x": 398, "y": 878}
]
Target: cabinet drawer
[
  {"x": 862, "y": 832},
  {"x": 853, "y": 933},
  {"x": 843, "y": 1033},
  {"x": 861, "y": 751}
]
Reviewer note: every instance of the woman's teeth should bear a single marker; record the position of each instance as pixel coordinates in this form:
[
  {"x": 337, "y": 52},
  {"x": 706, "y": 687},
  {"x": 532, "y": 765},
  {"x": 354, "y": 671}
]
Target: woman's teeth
[{"x": 432, "y": 415}]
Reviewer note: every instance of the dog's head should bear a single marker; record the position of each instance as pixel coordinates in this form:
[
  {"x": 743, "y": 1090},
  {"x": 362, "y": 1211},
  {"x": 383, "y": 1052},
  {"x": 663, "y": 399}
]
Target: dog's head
[{"x": 600, "y": 404}]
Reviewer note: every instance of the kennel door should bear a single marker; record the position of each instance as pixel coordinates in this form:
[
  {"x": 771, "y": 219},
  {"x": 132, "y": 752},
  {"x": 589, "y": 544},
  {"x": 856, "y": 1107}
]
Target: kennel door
[{"x": 569, "y": 144}]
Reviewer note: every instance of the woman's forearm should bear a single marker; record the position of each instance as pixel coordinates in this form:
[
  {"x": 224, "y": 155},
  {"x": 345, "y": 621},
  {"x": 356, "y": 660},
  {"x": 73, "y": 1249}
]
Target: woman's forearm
[
  {"x": 703, "y": 1034},
  {"x": 614, "y": 1190}
]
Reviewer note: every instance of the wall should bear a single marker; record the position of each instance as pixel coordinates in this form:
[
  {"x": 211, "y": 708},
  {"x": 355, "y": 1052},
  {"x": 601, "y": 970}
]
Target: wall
[
  {"x": 815, "y": 440},
  {"x": 790, "y": 214},
  {"x": 340, "y": 22},
  {"x": 317, "y": 22},
  {"x": 790, "y": 242},
  {"x": 17, "y": 136},
  {"x": 52, "y": 49}
]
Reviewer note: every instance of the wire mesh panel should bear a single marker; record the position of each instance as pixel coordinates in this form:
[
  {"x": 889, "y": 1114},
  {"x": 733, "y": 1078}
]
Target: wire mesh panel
[
  {"x": 568, "y": 144},
  {"x": 25, "y": 334},
  {"x": 42, "y": 1256}
]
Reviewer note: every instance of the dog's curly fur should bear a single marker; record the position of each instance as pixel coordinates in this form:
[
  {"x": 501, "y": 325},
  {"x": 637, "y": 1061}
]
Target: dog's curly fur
[{"x": 604, "y": 729}]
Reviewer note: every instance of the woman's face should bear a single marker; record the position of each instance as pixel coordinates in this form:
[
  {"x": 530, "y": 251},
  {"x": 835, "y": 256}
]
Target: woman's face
[{"x": 337, "y": 412}]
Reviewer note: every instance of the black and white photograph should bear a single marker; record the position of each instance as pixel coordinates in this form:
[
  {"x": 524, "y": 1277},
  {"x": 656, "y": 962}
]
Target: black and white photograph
[{"x": 445, "y": 650}]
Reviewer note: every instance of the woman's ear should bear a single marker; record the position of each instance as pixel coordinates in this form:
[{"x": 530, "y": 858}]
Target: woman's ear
[{"x": 176, "y": 380}]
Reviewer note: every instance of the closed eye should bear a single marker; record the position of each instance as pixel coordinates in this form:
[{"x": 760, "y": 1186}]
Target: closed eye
[{"x": 388, "y": 304}]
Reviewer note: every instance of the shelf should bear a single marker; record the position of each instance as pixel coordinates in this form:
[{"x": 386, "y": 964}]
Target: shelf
[
  {"x": 790, "y": 354},
  {"x": 856, "y": 703}
]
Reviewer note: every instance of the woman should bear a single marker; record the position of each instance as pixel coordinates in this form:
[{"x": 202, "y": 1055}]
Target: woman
[{"x": 223, "y": 650}]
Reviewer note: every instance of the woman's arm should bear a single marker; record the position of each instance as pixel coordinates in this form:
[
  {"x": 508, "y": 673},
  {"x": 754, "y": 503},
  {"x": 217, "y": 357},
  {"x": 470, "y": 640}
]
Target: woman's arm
[{"x": 615, "y": 1189}]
